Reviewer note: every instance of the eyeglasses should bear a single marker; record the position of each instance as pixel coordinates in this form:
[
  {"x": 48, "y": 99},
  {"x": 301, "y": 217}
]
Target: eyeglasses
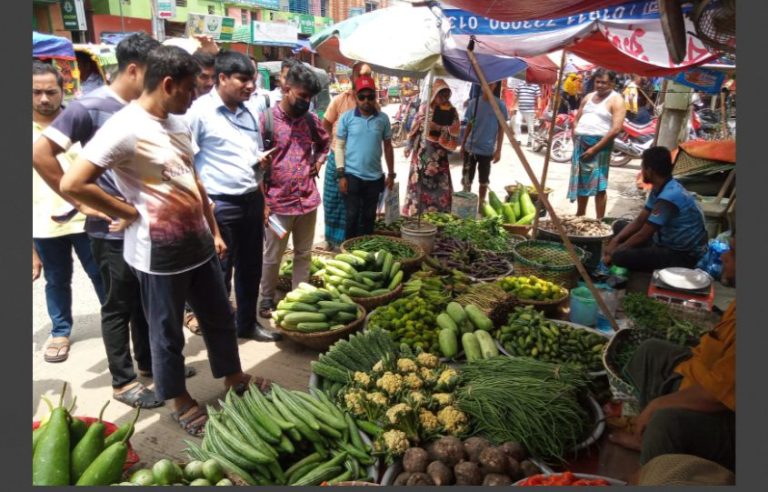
[{"x": 363, "y": 97}]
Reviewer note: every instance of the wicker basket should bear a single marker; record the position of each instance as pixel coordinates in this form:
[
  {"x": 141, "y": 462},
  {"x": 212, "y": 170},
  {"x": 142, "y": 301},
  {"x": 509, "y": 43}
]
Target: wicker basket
[
  {"x": 550, "y": 308},
  {"x": 509, "y": 272},
  {"x": 285, "y": 283},
  {"x": 621, "y": 388},
  {"x": 371, "y": 303},
  {"x": 519, "y": 230},
  {"x": 586, "y": 476},
  {"x": 409, "y": 265},
  {"x": 528, "y": 256},
  {"x": 532, "y": 193},
  {"x": 321, "y": 340}
]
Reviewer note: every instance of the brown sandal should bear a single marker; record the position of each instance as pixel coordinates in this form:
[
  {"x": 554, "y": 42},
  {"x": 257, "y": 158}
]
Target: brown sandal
[
  {"x": 61, "y": 346},
  {"x": 263, "y": 384},
  {"x": 191, "y": 323},
  {"x": 194, "y": 424}
]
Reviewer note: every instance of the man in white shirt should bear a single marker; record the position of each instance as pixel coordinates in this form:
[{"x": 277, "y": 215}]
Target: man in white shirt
[{"x": 171, "y": 235}]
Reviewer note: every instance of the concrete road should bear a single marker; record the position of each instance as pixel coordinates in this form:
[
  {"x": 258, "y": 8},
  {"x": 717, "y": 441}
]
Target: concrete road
[{"x": 157, "y": 435}]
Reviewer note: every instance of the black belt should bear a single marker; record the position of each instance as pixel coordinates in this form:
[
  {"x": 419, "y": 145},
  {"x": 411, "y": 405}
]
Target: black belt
[{"x": 244, "y": 198}]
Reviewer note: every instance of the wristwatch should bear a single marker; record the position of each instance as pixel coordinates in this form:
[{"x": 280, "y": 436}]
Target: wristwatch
[{"x": 339, "y": 172}]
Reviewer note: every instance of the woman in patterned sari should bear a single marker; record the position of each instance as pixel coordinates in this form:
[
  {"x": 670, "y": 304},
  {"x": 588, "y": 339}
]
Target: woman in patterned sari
[{"x": 429, "y": 160}]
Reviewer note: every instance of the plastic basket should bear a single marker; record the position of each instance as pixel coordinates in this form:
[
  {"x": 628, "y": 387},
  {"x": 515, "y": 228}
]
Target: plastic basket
[{"x": 547, "y": 260}]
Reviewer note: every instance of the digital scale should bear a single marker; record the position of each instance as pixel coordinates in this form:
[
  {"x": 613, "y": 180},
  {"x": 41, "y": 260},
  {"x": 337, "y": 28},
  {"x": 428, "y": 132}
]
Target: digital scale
[{"x": 703, "y": 299}]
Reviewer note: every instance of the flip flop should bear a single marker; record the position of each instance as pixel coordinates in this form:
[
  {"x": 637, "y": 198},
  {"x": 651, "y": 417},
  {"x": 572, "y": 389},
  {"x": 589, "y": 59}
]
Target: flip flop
[
  {"x": 191, "y": 323},
  {"x": 193, "y": 424},
  {"x": 189, "y": 371},
  {"x": 263, "y": 384},
  {"x": 139, "y": 396},
  {"x": 61, "y": 346},
  {"x": 265, "y": 311}
]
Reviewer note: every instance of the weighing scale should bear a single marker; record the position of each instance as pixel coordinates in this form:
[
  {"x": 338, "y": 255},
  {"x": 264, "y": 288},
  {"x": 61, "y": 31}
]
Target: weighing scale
[{"x": 703, "y": 299}]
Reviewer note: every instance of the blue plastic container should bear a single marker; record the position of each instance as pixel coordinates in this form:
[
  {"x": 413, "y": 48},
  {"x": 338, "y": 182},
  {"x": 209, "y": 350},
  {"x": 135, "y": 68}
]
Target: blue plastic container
[{"x": 583, "y": 307}]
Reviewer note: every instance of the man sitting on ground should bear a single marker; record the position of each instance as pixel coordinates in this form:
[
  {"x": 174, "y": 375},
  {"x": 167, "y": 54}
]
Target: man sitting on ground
[
  {"x": 669, "y": 232},
  {"x": 688, "y": 395}
]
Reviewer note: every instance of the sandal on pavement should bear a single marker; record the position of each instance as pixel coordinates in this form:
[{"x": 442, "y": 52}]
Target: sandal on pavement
[
  {"x": 192, "y": 418},
  {"x": 265, "y": 311},
  {"x": 57, "y": 350},
  {"x": 191, "y": 323},
  {"x": 139, "y": 396},
  {"x": 189, "y": 371},
  {"x": 263, "y": 384}
]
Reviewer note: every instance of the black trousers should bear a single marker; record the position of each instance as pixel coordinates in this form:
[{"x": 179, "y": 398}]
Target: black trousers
[
  {"x": 163, "y": 298},
  {"x": 121, "y": 309},
  {"x": 650, "y": 257},
  {"x": 361, "y": 199},
  {"x": 241, "y": 224},
  {"x": 710, "y": 436}
]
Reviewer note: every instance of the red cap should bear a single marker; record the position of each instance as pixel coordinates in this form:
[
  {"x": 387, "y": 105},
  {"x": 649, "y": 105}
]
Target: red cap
[{"x": 365, "y": 82}]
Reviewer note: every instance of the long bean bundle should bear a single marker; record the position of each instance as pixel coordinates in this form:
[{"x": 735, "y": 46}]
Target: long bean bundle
[{"x": 525, "y": 400}]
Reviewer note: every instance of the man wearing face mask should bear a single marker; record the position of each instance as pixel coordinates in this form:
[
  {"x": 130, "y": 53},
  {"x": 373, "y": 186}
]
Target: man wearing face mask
[
  {"x": 333, "y": 202},
  {"x": 229, "y": 143},
  {"x": 301, "y": 147}
]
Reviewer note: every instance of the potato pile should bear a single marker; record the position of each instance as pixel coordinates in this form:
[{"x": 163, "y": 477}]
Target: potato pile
[{"x": 474, "y": 461}]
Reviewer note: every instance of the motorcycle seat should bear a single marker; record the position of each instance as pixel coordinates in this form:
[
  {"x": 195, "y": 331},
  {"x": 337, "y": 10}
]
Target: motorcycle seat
[{"x": 639, "y": 128}]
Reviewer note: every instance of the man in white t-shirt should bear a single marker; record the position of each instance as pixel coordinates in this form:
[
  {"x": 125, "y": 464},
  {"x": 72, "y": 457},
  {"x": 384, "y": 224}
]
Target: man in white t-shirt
[{"x": 171, "y": 236}]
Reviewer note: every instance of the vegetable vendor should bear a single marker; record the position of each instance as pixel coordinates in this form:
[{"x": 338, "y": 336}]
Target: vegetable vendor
[
  {"x": 669, "y": 232},
  {"x": 688, "y": 395}
]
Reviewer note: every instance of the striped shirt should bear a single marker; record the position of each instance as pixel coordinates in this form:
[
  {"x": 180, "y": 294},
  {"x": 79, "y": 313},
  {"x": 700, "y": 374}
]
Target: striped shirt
[{"x": 526, "y": 97}]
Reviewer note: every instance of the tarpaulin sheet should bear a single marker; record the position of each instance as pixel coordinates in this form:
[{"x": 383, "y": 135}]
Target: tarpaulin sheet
[
  {"x": 523, "y": 10},
  {"x": 46, "y": 46}
]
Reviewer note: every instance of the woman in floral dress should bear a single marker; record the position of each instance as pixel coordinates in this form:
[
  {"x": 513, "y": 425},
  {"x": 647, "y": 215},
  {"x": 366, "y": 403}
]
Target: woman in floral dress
[{"x": 435, "y": 191}]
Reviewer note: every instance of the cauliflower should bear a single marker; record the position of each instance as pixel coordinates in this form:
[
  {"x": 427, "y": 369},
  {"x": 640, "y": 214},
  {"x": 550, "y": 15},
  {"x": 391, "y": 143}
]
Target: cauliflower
[
  {"x": 354, "y": 402},
  {"x": 412, "y": 381},
  {"x": 428, "y": 420},
  {"x": 394, "y": 413},
  {"x": 378, "y": 367},
  {"x": 453, "y": 421},
  {"x": 427, "y": 360},
  {"x": 406, "y": 365},
  {"x": 447, "y": 379},
  {"x": 427, "y": 375},
  {"x": 395, "y": 442},
  {"x": 417, "y": 397},
  {"x": 377, "y": 398},
  {"x": 391, "y": 383},
  {"x": 442, "y": 399},
  {"x": 362, "y": 379}
]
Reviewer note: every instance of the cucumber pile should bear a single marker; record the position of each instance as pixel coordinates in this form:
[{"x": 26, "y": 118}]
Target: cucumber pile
[
  {"x": 361, "y": 274},
  {"x": 518, "y": 210},
  {"x": 528, "y": 333},
  {"x": 310, "y": 309},
  {"x": 284, "y": 438},
  {"x": 316, "y": 267},
  {"x": 474, "y": 328}
]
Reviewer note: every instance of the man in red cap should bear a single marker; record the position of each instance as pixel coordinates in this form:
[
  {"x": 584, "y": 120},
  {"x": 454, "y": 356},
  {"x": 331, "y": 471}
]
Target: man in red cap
[{"x": 360, "y": 135}]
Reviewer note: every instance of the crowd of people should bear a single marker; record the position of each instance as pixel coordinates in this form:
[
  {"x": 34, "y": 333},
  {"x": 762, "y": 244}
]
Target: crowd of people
[{"x": 179, "y": 179}]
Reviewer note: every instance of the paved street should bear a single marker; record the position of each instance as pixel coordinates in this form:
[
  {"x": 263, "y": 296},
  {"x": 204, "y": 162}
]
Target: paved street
[{"x": 157, "y": 435}]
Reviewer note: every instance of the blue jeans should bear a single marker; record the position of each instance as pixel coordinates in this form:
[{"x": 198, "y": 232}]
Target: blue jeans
[{"x": 56, "y": 256}]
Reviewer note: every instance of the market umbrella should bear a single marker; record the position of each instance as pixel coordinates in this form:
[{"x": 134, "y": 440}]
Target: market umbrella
[
  {"x": 528, "y": 10},
  {"x": 48, "y": 46}
]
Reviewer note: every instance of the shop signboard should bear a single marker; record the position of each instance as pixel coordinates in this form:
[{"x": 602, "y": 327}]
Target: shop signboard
[
  {"x": 73, "y": 15},
  {"x": 274, "y": 34},
  {"x": 218, "y": 27},
  {"x": 166, "y": 9}
]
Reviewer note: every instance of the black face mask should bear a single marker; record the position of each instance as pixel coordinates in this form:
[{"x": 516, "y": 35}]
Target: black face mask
[{"x": 300, "y": 107}]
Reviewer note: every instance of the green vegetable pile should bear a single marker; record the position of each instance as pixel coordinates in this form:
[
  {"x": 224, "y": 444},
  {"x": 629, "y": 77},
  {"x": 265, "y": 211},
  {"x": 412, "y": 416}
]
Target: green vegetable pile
[
  {"x": 528, "y": 401},
  {"x": 362, "y": 274},
  {"x": 284, "y": 438},
  {"x": 357, "y": 353},
  {"x": 532, "y": 288},
  {"x": 310, "y": 309},
  {"x": 317, "y": 267},
  {"x": 471, "y": 326},
  {"x": 518, "y": 210},
  {"x": 529, "y": 334},
  {"x": 657, "y": 321},
  {"x": 381, "y": 225},
  {"x": 485, "y": 234},
  {"x": 67, "y": 452},
  {"x": 371, "y": 244},
  {"x": 410, "y": 320},
  {"x": 439, "y": 219},
  {"x": 196, "y": 473}
]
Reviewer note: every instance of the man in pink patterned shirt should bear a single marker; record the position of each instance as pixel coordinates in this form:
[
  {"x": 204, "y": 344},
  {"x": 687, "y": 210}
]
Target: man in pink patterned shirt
[{"x": 290, "y": 189}]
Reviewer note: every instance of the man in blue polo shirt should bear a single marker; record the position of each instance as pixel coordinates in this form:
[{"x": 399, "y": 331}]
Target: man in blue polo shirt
[
  {"x": 359, "y": 138},
  {"x": 669, "y": 232},
  {"x": 228, "y": 163}
]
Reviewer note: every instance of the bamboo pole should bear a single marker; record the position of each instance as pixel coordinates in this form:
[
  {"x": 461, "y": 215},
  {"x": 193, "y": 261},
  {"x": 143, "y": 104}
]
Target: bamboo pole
[
  {"x": 545, "y": 169},
  {"x": 553, "y": 216}
]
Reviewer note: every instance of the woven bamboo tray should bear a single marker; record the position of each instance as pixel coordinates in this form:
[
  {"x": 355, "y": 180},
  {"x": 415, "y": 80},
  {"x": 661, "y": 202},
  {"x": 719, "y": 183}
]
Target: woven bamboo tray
[
  {"x": 520, "y": 230},
  {"x": 528, "y": 261},
  {"x": 550, "y": 308},
  {"x": 321, "y": 340},
  {"x": 285, "y": 283},
  {"x": 409, "y": 265},
  {"x": 371, "y": 303}
]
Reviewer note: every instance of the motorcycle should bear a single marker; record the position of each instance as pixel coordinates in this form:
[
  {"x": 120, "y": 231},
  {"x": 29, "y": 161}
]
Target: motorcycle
[
  {"x": 403, "y": 120},
  {"x": 632, "y": 142},
  {"x": 562, "y": 141}
]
